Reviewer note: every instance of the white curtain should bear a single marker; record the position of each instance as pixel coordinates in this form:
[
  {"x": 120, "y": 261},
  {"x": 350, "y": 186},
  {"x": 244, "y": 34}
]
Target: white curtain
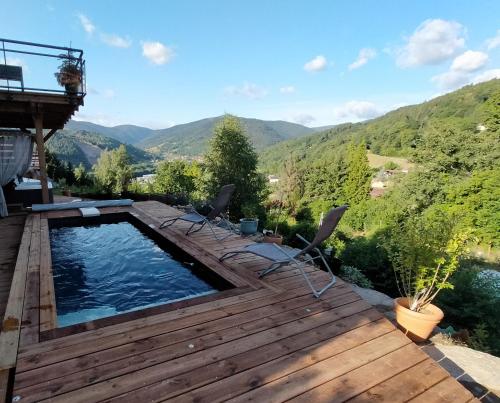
[{"x": 16, "y": 150}]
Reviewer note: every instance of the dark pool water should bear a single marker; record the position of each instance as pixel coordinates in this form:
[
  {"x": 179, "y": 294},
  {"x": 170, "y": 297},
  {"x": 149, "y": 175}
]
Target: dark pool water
[{"x": 107, "y": 269}]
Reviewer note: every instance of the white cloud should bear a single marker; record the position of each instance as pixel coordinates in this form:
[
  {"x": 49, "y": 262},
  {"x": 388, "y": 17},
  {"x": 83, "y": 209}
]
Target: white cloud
[
  {"x": 317, "y": 64},
  {"x": 486, "y": 76},
  {"x": 289, "y": 89},
  {"x": 247, "y": 90},
  {"x": 157, "y": 52},
  {"x": 15, "y": 61},
  {"x": 92, "y": 91},
  {"x": 303, "y": 118},
  {"x": 357, "y": 110},
  {"x": 108, "y": 93},
  {"x": 115, "y": 120},
  {"x": 364, "y": 56},
  {"x": 494, "y": 42},
  {"x": 116, "y": 40},
  {"x": 433, "y": 42},
  {"x": 451, "y": 80},
  {"x": 86, "y": 24},
  {"x": 460, "y": 70},
  {"x": 98, "y": 118},
  {"x": 469, "y": 61}
]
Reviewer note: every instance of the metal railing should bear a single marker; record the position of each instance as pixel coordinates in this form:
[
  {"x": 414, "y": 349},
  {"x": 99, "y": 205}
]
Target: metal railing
[{"x": 70, "y": 74}]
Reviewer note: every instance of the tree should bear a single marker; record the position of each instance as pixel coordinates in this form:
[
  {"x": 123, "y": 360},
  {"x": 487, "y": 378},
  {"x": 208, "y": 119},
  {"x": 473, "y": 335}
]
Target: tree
[
  {"x": 357, "y": 182},
  {"x": 81, "y": 175},
  {"x": 56, "y": 170},
  {"x": 112, "y": 171},
  {"x": 291, "y": 184},
  {"x": 232, "y": 159},
  {"x": 174, "y": 177}
]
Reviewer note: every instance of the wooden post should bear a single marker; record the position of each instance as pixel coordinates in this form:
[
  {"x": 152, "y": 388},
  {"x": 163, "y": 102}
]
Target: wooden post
[{"x": 38, "y": 118}]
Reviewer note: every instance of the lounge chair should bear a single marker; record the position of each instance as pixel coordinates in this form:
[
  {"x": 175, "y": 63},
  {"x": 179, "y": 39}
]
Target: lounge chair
[
  {"x": 280, "y": 256},
  {"x": 218, "y": 206}
]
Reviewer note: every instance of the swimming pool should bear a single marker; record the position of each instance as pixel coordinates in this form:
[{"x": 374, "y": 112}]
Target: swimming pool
[{"x": 102, "y": 269}]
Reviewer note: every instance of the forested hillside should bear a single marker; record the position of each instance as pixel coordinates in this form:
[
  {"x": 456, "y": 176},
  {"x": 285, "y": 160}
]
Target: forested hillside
[
  {"x": 86, "y": 147},
  {"x": 191, "y": 139},
  {"x": 129, "y": 134},
  {"x": 454, "y": 141},
  {"x": 453, "y": 120}
]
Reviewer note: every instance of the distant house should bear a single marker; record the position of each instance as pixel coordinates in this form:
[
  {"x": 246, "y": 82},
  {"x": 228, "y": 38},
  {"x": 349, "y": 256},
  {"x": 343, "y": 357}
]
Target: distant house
[
  {"x": 377, "y": 184},
  {"x": 149, "y": 178},
  {"x": 273, "y": 179}
]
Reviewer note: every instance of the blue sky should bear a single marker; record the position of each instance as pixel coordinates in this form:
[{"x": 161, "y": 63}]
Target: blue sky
[{"x": 313, "y": 62}]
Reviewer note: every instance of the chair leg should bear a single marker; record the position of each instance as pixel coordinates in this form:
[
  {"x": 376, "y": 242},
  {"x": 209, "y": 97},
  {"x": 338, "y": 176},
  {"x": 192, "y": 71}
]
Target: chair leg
[
  {"x": 220, "y": 239},
  {"x": 197, "y": 229},
  {"x": 167, "y": 222},
  {"x": 270, "y": 269},
  {"x": 191, "y": 227},
  {"x": 316, "y": 293},
  {"x": 232, "y": 253}
]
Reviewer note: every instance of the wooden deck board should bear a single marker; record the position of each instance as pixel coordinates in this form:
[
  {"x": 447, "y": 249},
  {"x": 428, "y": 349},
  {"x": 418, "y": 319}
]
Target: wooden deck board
[
  {"x": 273, "y": 341},
  {"x": 11, "y": 230}
]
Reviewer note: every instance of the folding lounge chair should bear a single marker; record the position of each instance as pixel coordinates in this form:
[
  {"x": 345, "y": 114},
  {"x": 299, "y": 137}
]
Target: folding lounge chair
[
  {"x": 280, "y": 256},
  {"x": 218, "y": 206}
]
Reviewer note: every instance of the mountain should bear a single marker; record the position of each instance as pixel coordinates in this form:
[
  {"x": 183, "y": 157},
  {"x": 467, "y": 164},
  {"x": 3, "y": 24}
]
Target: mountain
[
  {"x": 129, "y": 134},
  {"x": 440, "y": 123},
  {"x": 86, "y": 147},
  {"x": 191, "y": 139}
]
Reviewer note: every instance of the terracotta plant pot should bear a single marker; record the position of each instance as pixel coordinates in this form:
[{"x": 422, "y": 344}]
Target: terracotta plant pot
[
  {"x": 273, "y": 238},
  {"x": 418, "y": 326}
]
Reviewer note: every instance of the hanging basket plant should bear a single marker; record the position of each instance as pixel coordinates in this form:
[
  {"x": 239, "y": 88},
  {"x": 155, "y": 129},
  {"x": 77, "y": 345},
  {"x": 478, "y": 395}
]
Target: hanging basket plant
[{"x": 69, "y": 75}]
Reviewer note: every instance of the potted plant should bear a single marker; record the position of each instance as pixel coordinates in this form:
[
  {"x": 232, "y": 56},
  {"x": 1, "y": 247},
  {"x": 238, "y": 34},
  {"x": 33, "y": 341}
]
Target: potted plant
[
  {"x": 249, "y": 224},
  {"x": 425, "y": 252},
  {"x": 69, "y": 75},
  {"x": 275, "y": 215}
]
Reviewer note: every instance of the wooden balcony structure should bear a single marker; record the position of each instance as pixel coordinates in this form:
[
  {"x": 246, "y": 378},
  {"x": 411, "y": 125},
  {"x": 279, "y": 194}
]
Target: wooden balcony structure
[{"x": 45, "y": 110}]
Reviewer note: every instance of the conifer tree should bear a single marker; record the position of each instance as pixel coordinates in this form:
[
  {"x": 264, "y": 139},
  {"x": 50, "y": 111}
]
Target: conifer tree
[
  {"x": 231, "y": 158},
  {"x": 357, "y": 183}
]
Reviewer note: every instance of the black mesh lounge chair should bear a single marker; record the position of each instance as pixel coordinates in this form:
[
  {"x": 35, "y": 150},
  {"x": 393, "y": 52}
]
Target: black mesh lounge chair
[
  {"x": 218, "y": 206},
  {"x": 281, "y": 256}
]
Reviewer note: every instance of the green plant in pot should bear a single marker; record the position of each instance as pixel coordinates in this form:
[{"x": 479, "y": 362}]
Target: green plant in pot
[
  {"x": 275, "y": 218},
  {"x": 249, "y": 224},
  {"x": 425, "y": 251},
  {"x": 69, "y": 75}
]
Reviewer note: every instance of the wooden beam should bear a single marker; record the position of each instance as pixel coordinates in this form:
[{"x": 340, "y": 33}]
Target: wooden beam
[
  {"x": 49, "y": 134},
  {"x": 11, "y": 325},
  {"x": 4, "y": 385},
  {"x": 38, "y": 118},
  {"x": 48, "y": 312}
]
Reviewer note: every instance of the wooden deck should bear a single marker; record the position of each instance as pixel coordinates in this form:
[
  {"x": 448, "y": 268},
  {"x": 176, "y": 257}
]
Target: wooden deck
[
  {"x": 11, "y": 229},
  {"x": 264, "y": 341}
]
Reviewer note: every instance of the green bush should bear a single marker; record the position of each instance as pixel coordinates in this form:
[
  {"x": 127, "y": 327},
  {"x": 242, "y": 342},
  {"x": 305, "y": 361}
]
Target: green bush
[
  {"x": 473, "y": 304},
  {"x": 391, "y": 165},
  {"x": 353, "y": 275},
  {"x": 306, "y": 229},
  {"x": 371, "y": 259}
]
